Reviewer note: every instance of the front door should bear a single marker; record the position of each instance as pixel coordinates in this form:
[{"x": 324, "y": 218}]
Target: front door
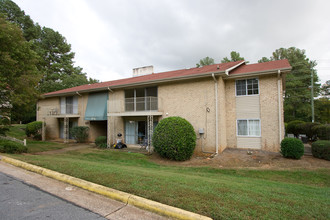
[{"x": 130, "y": 132}]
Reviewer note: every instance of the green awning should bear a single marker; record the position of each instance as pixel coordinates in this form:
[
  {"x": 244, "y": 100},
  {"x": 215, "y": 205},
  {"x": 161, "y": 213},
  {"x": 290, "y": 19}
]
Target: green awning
[{"x": 96, "y": 109}]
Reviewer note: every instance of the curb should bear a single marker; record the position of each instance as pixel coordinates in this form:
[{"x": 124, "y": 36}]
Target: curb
[{"x": 127, "y": 198}]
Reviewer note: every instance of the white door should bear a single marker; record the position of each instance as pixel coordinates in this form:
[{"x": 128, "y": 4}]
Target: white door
[{"x": 130, "y": 132}]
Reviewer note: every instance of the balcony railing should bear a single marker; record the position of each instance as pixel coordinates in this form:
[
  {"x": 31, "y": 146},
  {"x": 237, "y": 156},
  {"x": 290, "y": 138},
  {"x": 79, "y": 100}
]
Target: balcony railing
[
  {"x": 57, "y": 111},
  {"x": 141, "y": 104},
  {"x": 137, "y": 104}
]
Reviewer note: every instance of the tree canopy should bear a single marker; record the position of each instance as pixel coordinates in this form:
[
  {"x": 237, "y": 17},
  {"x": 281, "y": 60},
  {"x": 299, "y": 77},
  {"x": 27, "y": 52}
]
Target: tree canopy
[
  {"x": 234, "y": 56},
  {"x": 297, "y": 102},
  {"x": 205, "y": 62},
  {"x": 52, "y": 57},
  {"x": 19, "y": 75}
]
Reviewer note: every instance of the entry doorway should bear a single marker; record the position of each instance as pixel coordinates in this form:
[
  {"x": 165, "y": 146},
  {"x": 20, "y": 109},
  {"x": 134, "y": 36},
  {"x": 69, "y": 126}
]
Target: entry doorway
[
  {"x": 71, "y": 125},
  {"x": 136, "y": 131}
]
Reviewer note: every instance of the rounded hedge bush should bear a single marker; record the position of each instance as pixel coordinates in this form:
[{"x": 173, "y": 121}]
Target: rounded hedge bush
[
  {"x": 321, "y": 149},
  {"x": 293, "y": 127},
  {"x": 80, "y": 133},
  {"x": 11, "y": 147},
  {"x": 292, "y": 148},
  {"x": 322, "y": 131},
  {"x": 34, "y": 129},
  {"x": 174, "y": 138},
  {"x": 101, "y": 142}
]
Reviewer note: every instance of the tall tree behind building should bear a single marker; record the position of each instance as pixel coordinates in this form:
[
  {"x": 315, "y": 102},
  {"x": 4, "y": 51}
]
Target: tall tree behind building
[
  {"x": 234, "y": 56},
  {"x": 19, "y": 75},
  {"x": 55, "y": 58},
  {"x": 297, "y": 102}
]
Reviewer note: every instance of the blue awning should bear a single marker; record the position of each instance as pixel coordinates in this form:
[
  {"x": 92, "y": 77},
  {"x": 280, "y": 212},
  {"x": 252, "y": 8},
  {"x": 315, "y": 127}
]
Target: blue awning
[{"x": 96, "y": 109}]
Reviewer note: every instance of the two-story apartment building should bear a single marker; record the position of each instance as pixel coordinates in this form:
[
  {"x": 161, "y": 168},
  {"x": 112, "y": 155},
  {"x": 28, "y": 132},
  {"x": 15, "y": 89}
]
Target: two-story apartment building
[{"x": 234, "y": 105}]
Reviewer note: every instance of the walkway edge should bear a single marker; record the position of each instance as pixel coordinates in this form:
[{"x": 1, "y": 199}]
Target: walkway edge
[{"x": 127, "y": 198}]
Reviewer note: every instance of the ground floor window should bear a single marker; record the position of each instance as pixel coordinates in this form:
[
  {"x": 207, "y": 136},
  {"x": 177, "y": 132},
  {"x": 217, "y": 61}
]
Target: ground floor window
[
  {"x": 136, "y": 131},
  {"x": 248, "y": 127},
  {"x": 73, "y": 123}
]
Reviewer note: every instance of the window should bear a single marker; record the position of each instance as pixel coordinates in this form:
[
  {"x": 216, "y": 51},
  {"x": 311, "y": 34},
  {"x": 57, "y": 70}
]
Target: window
[
  {"x": 247, "y": 87},
  {"x": 248, "y": 127},
  {"x": 69, "y": 105},
  {"x": 141, "y": 99}
]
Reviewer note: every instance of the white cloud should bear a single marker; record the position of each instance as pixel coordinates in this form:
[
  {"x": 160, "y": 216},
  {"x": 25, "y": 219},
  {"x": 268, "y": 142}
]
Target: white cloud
[{"x": 110, "y": 38}]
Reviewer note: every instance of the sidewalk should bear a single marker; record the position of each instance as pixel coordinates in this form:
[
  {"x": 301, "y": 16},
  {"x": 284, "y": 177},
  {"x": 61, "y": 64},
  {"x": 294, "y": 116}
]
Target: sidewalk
[{"x": 101, "y": 205}]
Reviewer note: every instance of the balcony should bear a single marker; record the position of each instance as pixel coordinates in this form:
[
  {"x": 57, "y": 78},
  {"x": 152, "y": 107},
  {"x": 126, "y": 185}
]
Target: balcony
[
  {"x": 137, "y": 106},
  {"x": 68, "y": 111}
]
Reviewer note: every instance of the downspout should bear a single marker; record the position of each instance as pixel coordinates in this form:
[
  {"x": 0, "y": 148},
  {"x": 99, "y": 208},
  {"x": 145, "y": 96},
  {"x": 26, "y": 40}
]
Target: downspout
[
  {"x": 279, "y": 105},
  {"x": 216, "y": 114}
]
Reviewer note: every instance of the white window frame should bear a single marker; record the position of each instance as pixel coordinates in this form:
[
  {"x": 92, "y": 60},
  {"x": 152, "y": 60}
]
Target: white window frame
[
  {"x": 248, "y": 119},
  {"x": 246, "y": 89},
  {"x": 74, "y": 105}
]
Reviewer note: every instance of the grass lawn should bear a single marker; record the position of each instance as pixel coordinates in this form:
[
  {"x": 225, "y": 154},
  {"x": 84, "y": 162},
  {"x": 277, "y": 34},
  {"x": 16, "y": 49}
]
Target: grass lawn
[
  {"x": 18, "y": 131},
  {"x": 217, "y": 193}
]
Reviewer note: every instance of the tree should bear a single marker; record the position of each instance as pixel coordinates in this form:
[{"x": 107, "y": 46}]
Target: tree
[
  {"x": 297, "y": 102},
  {"x": 57, "y": 63},
  {"x": 15, "y": 15},
  {"x": 205, "y": 62},
  {"x": 54, "y": 57},
  {"x": 235, "y": 56},
  {"x": 325, "y": 89},
  {"x": 264, "y": 59},
  {"x": 322, "y": 104},
  {"x": 19, "y": 75}
]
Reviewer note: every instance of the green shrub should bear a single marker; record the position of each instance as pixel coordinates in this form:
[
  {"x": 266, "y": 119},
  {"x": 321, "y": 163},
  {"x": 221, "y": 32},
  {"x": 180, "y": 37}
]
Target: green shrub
[
  {"x": 80, "y": 133},
  {"x": 321, "y": 149},
  {"x": 34, "y": 129},
  {"x": 174, "y": 138},
  {"x": 101, "y": 141},
  {"x": 294, "y": 128},
  {"x": 322, "y": 131},
  {"x": 11, "y": 147},
  {"x": 307, "y": 128},
  {"x": 292, "y": 148},
  {"x": 4, "y": 125}
]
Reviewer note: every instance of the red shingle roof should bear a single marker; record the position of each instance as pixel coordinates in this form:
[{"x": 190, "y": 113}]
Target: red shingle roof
[
  {"x": 260, "y": 67},
  {"x": 273, "y": 65}
]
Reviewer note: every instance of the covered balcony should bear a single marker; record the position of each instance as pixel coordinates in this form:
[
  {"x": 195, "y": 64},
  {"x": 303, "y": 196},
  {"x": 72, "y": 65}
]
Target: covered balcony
[{"x": 135, "y": 106}]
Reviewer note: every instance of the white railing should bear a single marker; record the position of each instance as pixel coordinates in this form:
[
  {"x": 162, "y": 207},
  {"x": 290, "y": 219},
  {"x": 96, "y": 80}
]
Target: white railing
[
  {"x": 134, "y": 104},
  {"x": 56, "y": 111}
]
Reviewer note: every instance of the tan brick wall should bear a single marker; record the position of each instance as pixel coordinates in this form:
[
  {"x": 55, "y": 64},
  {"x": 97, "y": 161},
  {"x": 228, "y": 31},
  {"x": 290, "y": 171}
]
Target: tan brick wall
[
  {"x": 269, "y": 113},
  {"x": 116, "y": 122},
  {"x": 222, "y": 114},
  {"x": 190, "y": 101},
  {"x": 52, "y": 124},
  {"x": 231, "y": 114}
]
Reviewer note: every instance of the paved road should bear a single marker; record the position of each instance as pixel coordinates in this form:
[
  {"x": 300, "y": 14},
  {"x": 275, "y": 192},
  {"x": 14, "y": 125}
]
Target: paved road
[
  {"x": 14, "y": 202},
  {"x": 19, "y": 200}
]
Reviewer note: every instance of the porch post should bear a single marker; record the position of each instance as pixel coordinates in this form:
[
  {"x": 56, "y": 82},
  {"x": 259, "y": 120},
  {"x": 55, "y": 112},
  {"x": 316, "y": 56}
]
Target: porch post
[
  {"x": 108, "y": 133},
  {"x": 66, "y": 130},
  {"x": 43, "y": 130}
]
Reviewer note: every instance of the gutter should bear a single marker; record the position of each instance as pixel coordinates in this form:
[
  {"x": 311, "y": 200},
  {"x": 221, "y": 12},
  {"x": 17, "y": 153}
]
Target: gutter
[
  {"x": 279, "y": 105},
  {"x": 233, "y": 67},
  {"x": 216, "y": 115},
  {"x": 258, "y": 73}
]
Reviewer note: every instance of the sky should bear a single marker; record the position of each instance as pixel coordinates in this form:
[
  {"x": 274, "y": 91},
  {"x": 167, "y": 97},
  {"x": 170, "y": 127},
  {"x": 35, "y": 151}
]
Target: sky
[{"x": 111, "y": 37}]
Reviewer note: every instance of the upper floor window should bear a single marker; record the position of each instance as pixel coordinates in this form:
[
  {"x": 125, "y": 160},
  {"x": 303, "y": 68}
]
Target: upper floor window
[
  {"x": 247, "y": 87},
  {"x": 141, "y": 99},
  {"x": 69, "y": 105}
]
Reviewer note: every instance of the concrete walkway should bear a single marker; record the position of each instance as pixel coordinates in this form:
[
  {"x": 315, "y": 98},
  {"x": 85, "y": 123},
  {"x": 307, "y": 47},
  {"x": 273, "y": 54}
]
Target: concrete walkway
[{"x": 101, "y": 205}]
